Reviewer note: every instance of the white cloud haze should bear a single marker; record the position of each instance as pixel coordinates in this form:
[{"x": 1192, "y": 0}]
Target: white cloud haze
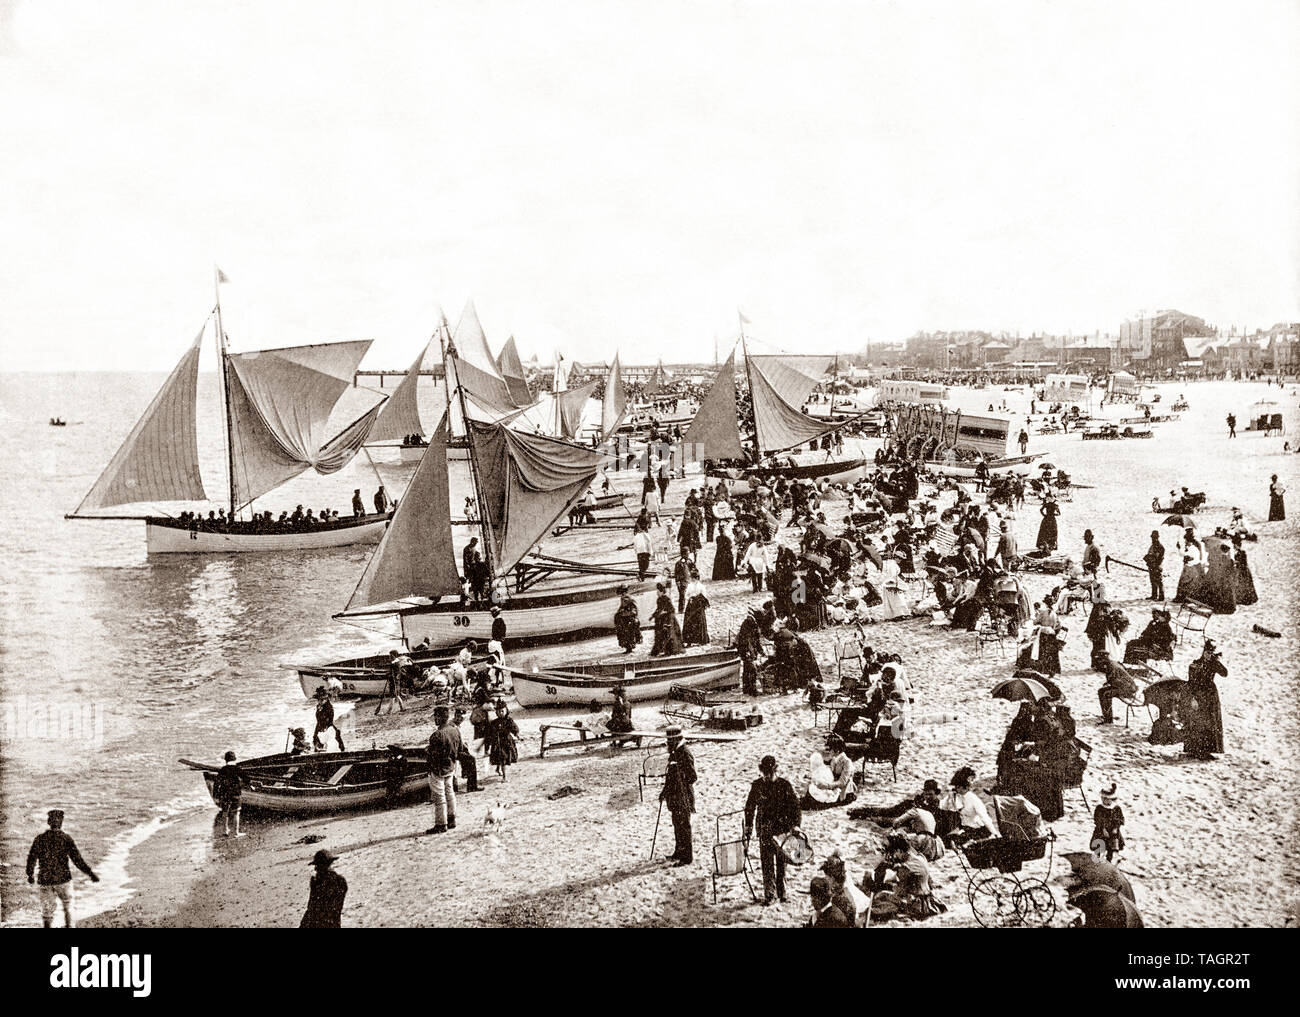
[{"x": 623, "y": 174}]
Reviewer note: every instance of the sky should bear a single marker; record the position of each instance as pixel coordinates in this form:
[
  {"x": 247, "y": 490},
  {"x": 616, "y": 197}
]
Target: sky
[{"x": 603, "y": 174}]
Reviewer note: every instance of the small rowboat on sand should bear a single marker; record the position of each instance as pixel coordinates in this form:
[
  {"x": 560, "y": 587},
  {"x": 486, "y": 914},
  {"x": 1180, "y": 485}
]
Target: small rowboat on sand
[
  {"x": 367, "y": 676},
  {"x": 642, "y": 677},
  {"x": 325, "y": 782}
]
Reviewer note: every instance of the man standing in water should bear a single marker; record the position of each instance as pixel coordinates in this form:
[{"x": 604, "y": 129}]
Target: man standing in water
[{"x": 53, "y": 849}]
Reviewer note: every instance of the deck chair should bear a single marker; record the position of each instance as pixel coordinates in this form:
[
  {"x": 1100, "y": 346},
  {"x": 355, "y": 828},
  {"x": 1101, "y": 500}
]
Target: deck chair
[
  {"x": 1193, "y": 617},
  {"x": 654, "y": 769},
  {"x": 730, "y": 857},
  {"x": 846, "y": 648}
]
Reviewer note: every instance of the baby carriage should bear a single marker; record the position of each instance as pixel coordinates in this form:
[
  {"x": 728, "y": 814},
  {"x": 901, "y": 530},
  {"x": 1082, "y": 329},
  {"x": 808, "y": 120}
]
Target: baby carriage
[
  {"x": 1005, "y": 898},
  {"x": 1007, "y": 610}
]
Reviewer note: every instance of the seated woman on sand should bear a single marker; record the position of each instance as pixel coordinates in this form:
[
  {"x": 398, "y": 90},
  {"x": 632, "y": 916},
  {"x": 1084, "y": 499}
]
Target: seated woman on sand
[
  {"x": 1156, "y": 641},
  {"x": 830, "y": 777}
]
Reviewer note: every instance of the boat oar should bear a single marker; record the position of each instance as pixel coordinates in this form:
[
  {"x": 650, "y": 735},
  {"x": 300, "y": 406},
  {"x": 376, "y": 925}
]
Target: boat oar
[{"x": 1128, "y": 564}]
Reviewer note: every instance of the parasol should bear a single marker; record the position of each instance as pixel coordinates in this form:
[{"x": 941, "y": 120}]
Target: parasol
[
  {"x": 1015, "y": 689},
  {"x": 841, "y": 545},
  {"x": 1185, "y": 521},
  {"x": 874, "y": 556}
]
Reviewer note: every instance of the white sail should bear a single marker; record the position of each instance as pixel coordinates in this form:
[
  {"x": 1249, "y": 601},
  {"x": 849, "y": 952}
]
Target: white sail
[
  {"x": 777, "y": 391},
  {"x": 416, "y": 557},
  {"x": 159, "y": 461},
  {"x": 614, "y": 406},
  {"x": 478, "y": 368},
  {"x": 401, "y": 414},
  {"x": 280, "y": 403}
]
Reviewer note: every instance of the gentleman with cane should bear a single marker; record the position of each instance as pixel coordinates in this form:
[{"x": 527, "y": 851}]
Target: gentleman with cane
[
  {"x": 772, "y": 801},
  {"x": 679, "y": 795}
]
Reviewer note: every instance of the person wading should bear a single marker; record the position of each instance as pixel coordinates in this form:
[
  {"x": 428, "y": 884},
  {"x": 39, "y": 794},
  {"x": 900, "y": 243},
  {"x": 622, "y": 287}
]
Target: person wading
[{"x": 50, "y": 852}]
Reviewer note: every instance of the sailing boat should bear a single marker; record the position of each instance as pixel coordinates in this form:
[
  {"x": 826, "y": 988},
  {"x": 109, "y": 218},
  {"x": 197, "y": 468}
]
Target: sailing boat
[
  {"x": 778, "y": 386},
  {"x": 522, "y": 484},
  {"x": 277, "y": 406}
]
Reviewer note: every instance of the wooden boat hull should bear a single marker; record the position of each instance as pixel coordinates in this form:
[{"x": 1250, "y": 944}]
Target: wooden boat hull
[
  {"x": 642, "y": 677},
  {"x": 365, "y": 676},
  {"x": 168, "y": 538},
  {"x": 836, "y": 470},
  {"x": 302, "y": 784},
  {"x": 1000, "y": 466},
  {"x": 542, "y": 616}
]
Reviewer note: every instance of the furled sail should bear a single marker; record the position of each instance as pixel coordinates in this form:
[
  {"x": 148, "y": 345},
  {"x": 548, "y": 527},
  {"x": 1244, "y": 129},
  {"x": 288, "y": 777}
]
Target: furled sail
[
  {"x": 778, "y": 424},
  {"x": 401, "y": 414},
  {"x": 280, "y": 403},
  {"x": 714, "y": 433},
  {"x": 159, "y": 461},
  {"x": 512, "y": 370},
  {"x": 614, "y": 406},
  {"x": 416, "y": 557},
  {"x": 527, "y": 482},
  {"x": 478, "y": 368}
]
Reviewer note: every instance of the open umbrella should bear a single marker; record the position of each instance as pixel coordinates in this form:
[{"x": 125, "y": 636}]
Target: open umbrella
[
  {"x": 1015, "y": 689},
  {"x": 820, "y": 561},
  {"x": 874, "y": 557},
  {"x": 1178, "y": 519},
  {"x": 1046, "y": 466},
  {"x": 841, "y": 546}
]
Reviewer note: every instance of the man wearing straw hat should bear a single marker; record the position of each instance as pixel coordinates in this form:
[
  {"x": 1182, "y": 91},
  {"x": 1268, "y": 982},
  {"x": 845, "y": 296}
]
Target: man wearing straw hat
[{"x": 679, "y": 795}]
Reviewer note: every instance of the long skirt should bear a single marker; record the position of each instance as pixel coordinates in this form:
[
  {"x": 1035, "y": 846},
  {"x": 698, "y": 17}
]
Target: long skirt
[
  {"x": 1190, "y": 583},
  {"x": 1276, "y": 508},
  {"x": 668, "y": 635},
  {"x": 1047, "y": 536},
  {"x": 1243, "y": 584},
  {"x": 724, "y": 558},
  {"x": 695, "y": 623}
]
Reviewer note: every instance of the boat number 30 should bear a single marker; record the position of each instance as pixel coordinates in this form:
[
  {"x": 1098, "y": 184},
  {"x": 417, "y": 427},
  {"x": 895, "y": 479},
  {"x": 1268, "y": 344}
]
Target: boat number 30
[
  {"x": 550, "y": 690},
  {"x": 460, "y": 619}
]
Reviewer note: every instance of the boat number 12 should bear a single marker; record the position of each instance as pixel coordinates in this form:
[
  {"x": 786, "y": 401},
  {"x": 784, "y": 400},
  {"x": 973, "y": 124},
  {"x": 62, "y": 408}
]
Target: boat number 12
[{"x": 460, "y": 619}]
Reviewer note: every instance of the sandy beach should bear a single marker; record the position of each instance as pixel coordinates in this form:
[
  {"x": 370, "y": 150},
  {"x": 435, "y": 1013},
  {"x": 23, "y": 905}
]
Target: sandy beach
[{"x": 1210, "y": 844}]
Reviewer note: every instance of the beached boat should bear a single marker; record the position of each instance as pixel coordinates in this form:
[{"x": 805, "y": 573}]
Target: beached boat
[
  {"x": 324, "y": 782},
  {"x": 277, "y": 405},
  {"x": 365, "y": 677},
  {"x": 945, "y": 469},
  {"x": 778, "y": 385},
  {"x": 523, "y": 483},
  {"x": 641, "y": 676}
]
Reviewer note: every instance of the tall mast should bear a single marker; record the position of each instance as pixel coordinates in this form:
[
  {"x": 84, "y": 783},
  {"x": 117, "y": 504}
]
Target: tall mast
[
  {"x": 835, "y": 380},
  {"x": 225, "y": 390},
  {"x": 444, "y": 336},
  {"x": 484, "y": 522},
  {"x": 753, "y": 410}
]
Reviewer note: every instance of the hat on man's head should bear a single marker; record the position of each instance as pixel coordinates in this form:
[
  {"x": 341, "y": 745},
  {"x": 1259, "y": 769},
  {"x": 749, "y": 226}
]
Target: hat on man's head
[
  {"x": 323, "y": 857},
  {"x": 54, "y": 814},
  {"x": 931, "y": 785},
  {"x": 230, "y": 757},
  {"x": 673, "y": 731}
]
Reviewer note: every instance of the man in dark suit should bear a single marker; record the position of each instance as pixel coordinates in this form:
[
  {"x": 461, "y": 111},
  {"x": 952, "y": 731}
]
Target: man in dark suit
[
  {"x": 825, "y": 914},
  {"x": 1155, "y": 559},
  {"x": 679, "y": 795},
  {"x": 773, "y": 809},
  {"x": 328, "y": 889}
]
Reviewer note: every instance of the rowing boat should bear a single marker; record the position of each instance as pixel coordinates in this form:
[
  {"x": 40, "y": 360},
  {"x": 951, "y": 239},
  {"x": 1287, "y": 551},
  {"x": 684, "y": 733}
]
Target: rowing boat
[
  {"x": 642, "y": 677},
  {"x": 366, "y": 676},
  {"x": 324, "y": 782}
]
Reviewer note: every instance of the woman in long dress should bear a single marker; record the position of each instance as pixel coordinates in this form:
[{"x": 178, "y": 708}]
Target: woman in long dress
[
  {"x": 1219, "y": 592},
  {"x": 668, "y": 634},
  {"x": 1192, "y": 579},
  {"x": 892, "y": 602},
  {"x": 1201, "y": 710},
  {"x": 1047, "y": 536},
  {"x": 1276, "y": 503},
  {"x": 695, "y": 623},
  {"x": 1243, "y": 583},
  {"x": 627, "y": 621},
  {"x": 724, "y": 554}
]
